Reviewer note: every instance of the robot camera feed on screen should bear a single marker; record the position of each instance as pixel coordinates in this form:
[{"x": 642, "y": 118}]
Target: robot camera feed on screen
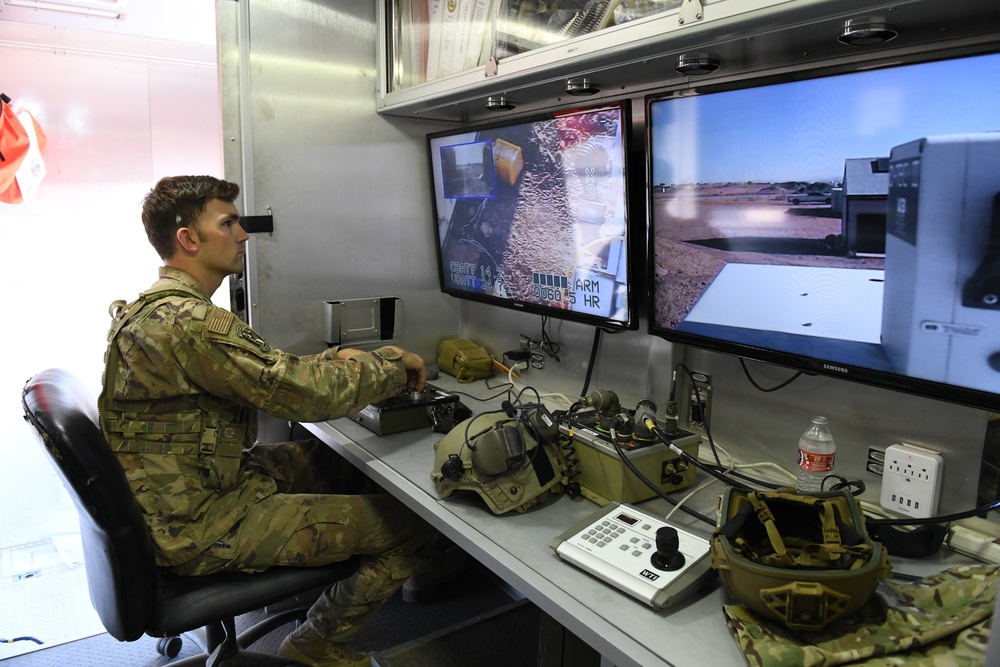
[
  {"x": 845, "y": 225},
  {"x": 533, "y": 215}
]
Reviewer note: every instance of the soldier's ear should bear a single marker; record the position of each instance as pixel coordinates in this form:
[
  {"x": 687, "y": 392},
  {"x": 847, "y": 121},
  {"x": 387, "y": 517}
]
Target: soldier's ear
[{"x": 187, "y": 240}]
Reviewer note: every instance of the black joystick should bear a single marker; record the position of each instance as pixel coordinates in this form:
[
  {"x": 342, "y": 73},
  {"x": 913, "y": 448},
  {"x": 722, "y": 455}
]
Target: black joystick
[{"x": 668, "y": 556}]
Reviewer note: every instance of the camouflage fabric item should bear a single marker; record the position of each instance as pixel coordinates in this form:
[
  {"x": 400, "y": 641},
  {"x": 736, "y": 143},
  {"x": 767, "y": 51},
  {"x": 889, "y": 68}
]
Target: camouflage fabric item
[
  {"x": 183, "y": 380},
  {"x": 938, "y": 621}
]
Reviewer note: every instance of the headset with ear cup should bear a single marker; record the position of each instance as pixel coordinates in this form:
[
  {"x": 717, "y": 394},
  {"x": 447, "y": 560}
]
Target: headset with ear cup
[{"x": 508, "y": 456}]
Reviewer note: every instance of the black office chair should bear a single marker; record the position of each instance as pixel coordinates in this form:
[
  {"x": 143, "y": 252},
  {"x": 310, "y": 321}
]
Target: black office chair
[{"x": 131, "y": 595}]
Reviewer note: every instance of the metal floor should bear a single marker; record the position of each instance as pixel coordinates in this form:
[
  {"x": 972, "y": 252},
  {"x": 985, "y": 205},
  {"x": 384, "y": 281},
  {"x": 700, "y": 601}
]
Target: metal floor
[
  {"x": 469, "y": 614},
  {"x": 43, "y": 596}
]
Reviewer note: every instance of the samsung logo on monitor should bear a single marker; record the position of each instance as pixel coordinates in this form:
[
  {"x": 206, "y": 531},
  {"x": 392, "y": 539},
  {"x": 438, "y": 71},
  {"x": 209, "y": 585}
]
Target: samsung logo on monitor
[{"x": 838, "y": 369}]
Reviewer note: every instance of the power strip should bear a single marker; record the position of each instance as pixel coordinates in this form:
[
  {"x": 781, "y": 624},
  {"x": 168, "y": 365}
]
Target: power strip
[
  {"x": 973, "y": 543},
  {"x": 911, "y": 482}
]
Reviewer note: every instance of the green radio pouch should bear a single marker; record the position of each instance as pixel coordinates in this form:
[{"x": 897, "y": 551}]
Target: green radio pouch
[{"x": 464, "y": 359}]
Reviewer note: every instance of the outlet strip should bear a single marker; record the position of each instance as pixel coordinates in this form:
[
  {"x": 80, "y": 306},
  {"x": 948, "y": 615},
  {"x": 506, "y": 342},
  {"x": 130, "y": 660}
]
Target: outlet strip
[
  {"x": 975, "y": 544},
  {"x": 911, "y": 481}
]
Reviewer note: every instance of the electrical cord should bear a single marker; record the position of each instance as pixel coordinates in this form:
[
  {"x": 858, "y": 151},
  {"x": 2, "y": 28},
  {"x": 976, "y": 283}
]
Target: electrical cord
[
  {"x": 482, "y": 400},
  {"x": 746, "y": 371},
  {"x": 656, "y": 489},
  {"x": 701, "y": 407},
  {"x": 591, "y": 362},
  {"x": 701, "y": 466},
  {"x": 548, "y": 347}
]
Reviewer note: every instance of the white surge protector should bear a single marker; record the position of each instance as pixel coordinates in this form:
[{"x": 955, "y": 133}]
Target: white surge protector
[
  {"x": 618, "y": 545},
  {"x": 911, "y": 481}
]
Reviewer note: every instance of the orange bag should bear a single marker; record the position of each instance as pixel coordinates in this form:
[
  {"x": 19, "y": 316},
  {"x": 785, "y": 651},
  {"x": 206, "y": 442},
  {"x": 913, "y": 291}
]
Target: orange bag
[{"x": 16, "y": 144}]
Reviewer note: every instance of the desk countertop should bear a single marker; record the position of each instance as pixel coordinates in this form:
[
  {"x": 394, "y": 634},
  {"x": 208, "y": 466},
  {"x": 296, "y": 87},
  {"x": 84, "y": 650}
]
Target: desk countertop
[{"x": 515, "y": 547}]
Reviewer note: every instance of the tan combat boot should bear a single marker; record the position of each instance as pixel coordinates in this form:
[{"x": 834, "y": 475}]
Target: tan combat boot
[{"x": 305, "y": 645}]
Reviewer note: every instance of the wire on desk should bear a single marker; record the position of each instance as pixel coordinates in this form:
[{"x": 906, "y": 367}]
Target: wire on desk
[{"x": 656, "y": 489}]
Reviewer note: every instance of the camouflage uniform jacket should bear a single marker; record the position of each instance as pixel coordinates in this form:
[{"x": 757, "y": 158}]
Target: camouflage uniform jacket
[{"x": 182, "y": 383}]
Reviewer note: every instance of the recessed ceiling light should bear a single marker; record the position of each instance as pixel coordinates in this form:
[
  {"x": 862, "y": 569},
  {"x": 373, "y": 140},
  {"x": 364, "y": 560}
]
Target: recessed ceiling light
[
  {"x": 697, "y": 63},
  {"x": 867, "y": 31},
  {"x": 581, "y": 86},
  {"x": 499, "y": 103}
]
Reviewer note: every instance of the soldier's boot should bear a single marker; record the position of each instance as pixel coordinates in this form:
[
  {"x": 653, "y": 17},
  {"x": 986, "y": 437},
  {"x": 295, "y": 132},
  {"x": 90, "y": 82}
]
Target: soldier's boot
[
  {"x": 307, "y": 646},
  {"x": 446, "y": 566}
]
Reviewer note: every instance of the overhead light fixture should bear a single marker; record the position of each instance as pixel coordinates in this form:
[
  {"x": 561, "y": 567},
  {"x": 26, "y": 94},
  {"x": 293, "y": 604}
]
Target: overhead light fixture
[
  {"x": 867, "y": 31},
  {"x": 697, "y": 64},
  {"x": 109, "y": 9},
  {"x": 499, "y": 103},
  {"x": 580, "y": 87}
]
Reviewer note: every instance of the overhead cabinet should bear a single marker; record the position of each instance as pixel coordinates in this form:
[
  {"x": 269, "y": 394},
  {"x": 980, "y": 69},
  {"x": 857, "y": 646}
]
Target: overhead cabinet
[{"x": 463, "y": 60}]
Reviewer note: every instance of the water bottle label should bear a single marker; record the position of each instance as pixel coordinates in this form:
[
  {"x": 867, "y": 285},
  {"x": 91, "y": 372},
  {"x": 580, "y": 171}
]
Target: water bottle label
[{"x": 814, "y": 462}]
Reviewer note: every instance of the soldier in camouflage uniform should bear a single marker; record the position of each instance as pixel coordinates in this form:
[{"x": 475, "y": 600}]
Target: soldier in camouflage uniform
[{"x": 183, "y": 381}]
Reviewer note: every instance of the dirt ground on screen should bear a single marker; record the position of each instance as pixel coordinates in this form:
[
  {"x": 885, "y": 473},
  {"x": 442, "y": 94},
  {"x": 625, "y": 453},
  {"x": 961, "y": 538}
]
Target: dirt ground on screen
[{"x": 683, "y": 270}]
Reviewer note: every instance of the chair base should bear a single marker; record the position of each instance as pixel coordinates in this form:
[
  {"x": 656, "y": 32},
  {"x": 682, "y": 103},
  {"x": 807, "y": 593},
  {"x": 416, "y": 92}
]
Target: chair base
[{"x": 228, "y": 649}]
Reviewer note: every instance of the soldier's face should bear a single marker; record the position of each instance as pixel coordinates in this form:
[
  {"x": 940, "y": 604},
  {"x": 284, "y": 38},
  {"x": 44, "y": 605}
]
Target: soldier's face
[{"x": 221, "y": 238}]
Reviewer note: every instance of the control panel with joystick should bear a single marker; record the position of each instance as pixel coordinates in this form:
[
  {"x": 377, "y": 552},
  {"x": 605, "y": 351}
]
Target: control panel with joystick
[{"x": 638, "y": 554}]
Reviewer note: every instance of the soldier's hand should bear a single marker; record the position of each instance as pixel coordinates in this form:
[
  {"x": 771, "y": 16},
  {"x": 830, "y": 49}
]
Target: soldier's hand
[{"x": 416, "y": 371}]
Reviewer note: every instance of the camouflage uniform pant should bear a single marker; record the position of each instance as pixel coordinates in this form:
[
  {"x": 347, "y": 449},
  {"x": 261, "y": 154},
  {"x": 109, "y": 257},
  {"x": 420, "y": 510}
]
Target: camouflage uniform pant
[{"x": 325, "y": 512}]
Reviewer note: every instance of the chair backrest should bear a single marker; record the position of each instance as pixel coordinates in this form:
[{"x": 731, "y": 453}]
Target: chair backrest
[{"x": 117, "y": 546}]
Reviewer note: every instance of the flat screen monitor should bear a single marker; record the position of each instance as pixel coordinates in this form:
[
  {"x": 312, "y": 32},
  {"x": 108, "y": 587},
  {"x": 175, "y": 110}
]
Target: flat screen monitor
[
  {"x": 533, "y": 215},
  {"x": 846, "y": 225}
]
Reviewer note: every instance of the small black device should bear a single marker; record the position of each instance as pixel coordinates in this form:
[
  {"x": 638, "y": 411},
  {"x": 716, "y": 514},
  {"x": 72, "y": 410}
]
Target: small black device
[{"x": 408, "y": 410}]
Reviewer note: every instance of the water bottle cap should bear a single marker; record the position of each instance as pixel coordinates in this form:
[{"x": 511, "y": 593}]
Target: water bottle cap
[{"x": 819, "y": 420}]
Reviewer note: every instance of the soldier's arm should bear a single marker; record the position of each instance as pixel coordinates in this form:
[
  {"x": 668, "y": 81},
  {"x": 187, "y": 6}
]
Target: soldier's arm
[{"x": 232, "y": 361}]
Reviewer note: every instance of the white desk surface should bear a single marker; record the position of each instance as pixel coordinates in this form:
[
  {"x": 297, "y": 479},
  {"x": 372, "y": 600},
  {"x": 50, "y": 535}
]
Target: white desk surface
[{"x": 626, "y": 632}]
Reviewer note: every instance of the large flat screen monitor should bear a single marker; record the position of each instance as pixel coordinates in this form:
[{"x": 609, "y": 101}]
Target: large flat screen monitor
[
  {"x": 533, "y": 215},
  {"x": 845, "y": 225}
]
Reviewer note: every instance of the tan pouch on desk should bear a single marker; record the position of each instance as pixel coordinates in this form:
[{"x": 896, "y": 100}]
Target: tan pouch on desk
[{"x": 464, "y": 359}]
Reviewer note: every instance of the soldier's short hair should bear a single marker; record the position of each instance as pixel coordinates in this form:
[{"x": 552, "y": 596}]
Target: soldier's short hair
[{"x": 177, "y": 201}]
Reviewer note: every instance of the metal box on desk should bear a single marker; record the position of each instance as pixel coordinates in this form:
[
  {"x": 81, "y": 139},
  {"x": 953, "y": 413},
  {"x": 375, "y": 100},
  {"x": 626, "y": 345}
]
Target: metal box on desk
[{"x": 604, "y": 478}]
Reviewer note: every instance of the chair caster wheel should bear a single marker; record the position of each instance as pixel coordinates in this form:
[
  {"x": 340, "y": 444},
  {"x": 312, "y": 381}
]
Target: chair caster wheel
[{"x": 169, "y": 646}]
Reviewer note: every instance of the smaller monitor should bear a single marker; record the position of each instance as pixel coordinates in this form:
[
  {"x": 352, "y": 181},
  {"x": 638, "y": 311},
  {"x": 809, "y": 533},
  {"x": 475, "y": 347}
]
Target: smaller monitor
[{"x": 532, "y": 215}]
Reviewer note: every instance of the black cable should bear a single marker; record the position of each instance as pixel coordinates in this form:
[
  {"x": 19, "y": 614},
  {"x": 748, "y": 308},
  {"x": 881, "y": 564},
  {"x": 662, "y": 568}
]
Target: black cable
[
  {"x": 704, "y": 411},
  {"x": 487, "y": 382},
  {"x": 701, "y": 466},
  {"x": 654, "y": 487},
  {"x": 590, "y": 364},
  {"x": 482, "y": 400},
  {"x": 749, "y": 478},
  {"x": 746, "y": 371},
  {"x": 547, "y": 346}
]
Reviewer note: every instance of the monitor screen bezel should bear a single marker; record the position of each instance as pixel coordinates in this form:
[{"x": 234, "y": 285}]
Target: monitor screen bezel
[
  {"x": 811, "y": 365},
  {"x": 634, "y": 228}
]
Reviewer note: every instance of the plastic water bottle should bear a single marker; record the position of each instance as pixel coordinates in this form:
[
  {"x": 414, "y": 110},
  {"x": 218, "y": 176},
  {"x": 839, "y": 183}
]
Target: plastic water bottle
[{"x": 817, "y": 451}]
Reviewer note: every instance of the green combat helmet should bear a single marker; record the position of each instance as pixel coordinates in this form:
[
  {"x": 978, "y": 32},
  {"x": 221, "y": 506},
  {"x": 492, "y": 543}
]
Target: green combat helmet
[
  {"x": 802, "y": 560},
  {"x": 509, "y": 458}
]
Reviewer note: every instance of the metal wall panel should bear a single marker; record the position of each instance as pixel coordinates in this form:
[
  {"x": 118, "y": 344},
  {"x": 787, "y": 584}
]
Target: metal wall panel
[{"x": 346, "y": 188}]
